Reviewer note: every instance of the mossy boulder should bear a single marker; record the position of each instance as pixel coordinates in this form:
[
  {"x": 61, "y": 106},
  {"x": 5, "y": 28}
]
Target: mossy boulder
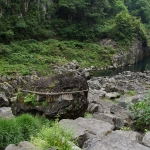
[{"x": 69, "y": 100}]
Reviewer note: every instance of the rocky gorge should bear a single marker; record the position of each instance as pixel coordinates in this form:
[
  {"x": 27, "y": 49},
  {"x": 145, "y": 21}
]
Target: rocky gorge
[{"x": 109, "y": 127}]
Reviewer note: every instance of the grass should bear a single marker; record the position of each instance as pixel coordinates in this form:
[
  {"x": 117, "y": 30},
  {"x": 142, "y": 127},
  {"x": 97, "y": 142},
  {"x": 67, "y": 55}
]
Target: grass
[
  {"x": 38, "y": 130},
  {"x": 20, "y": 128},
  {"x": 54, "y": 137},
  {"x": 23, "y": 57},
  {"x": 131, "y": 92},
  {"x": 88, "y": 115}
]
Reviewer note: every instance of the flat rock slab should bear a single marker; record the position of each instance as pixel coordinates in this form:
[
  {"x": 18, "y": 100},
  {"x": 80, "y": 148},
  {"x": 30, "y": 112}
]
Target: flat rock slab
[
  {"x": 70, "y": 124},
  {"x": 107, "y": 117},
  {"x": 94, "y": 126},
  {"x": 133, "y": 136},
  {"x": 115, "y": 141},
  {"x": 82, "y": 127},
  {"x": 79, "y": 132}
]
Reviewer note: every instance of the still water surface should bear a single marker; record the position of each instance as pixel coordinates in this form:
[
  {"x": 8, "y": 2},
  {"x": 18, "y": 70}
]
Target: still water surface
[{"x": 141, "y": 66}]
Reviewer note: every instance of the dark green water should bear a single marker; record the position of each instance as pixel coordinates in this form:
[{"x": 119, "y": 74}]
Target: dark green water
[{"x": 141, "y": 66}]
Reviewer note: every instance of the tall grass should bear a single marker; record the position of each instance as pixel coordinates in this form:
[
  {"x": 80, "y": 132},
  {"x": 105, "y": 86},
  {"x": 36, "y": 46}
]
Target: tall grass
[
  {"x": 42, "y": 132},
  {"x": 20, "y": 128},
  {"x": 54, "y": 137},
  {"x": 9, "y": 133}
]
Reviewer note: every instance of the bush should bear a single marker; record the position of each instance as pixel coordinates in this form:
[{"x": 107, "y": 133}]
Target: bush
[
  {"x": 140, "y": 112},
  {"x": 55, "y": 137},
  {"x": 21, "y": 128},
  {"x": 128, "y": 27},
  {"x": 28, "y": 125},
  {"x": 9, "y": 133}
]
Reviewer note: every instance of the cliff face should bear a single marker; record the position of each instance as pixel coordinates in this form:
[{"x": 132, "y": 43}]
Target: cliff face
[
  {"x": 136, "y": 52},
  {"x": 26, "y": 19},
  {"x": 22, "y": 7}
]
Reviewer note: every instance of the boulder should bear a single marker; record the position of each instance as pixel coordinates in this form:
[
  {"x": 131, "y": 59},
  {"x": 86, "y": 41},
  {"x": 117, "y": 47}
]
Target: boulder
[
  {"x": 111, "y": 87},
  {"x": 107, "y": 117},
  {"x": 86, "y": 128},
  {"x": 146, "y": 139},
  {"x": 133, "y": 136},
  {"x": 119, "y": 111},
  {"x": 22, "y": 146},
  {"x": 113, "y": 141},
  {"x": 92, "y": 107},
  {"x": 95, "y": 95},
  {"x": 119, "y": 122},
  {"x": 94, "y": 84},
  {"x": 7, "y": 89},
  {"x": 6, "y": 112},
  {"x": 112, "y": 95},
  {"x": 62, "y": 104},
  {"x": 94, "y": 126},
  {"x": 79, "y": 132},
  {"x": 3, "y": 100}
]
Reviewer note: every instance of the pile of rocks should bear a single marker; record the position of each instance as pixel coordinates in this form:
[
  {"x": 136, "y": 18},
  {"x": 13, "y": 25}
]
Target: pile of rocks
[{"x": 107, "y": 102}]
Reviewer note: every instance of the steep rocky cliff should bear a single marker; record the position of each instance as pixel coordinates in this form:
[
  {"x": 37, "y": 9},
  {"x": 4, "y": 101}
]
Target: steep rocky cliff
[{"x": 136, "y": 52}]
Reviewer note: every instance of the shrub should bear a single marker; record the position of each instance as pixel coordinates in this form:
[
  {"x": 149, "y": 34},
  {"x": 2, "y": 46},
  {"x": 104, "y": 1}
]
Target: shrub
[
  {"x": 21, "y": 128},
  {"x": 30, "y": 99},
  {"x": 128, "y": 27},
  {"x": 9, "y": 133},
  {"x": 55, "y": 137},
  {"x": 28, "y": 125},
  {"x": 140, "y": 112}
]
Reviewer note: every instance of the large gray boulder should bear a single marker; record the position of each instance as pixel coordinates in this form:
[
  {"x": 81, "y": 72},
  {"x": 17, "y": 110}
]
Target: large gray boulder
[
  {"x": 79, "y": 132},
  {"x": 133, "y": 136},
  {"x": 94, "y": 126},
  {"x": 86, "y": 128},
  {"x": 113, "y": 141}
]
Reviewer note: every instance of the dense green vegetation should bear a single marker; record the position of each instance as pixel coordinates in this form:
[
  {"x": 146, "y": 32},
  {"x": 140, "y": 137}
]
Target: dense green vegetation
[
  {"x": 55, "y": 137},
  {"x": 140, "y": 112},
  {"x": 25, "y": 56},
  {"x": 28, "y": 29},
  {"x": 83, "y": 20},
  {"x": 40, "y": 131}
]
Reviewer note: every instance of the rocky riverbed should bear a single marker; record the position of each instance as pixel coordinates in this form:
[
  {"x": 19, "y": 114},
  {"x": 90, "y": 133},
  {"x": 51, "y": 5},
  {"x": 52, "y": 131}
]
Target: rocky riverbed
[{"x": 107, "y": 99}]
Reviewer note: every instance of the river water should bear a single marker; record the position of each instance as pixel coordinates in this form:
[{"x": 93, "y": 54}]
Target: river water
[{"x": 141, "y": 66}]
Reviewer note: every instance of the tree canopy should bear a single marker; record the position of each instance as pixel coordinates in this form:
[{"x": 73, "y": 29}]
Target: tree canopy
[{"x": 82, "y": 20}]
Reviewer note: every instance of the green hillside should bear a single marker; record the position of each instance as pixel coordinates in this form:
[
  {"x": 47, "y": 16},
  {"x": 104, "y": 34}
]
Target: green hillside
[{"x": 36, "y": 35}]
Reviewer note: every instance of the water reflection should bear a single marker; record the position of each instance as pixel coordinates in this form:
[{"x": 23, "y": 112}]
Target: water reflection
[{"x": 141, "y": 66}]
